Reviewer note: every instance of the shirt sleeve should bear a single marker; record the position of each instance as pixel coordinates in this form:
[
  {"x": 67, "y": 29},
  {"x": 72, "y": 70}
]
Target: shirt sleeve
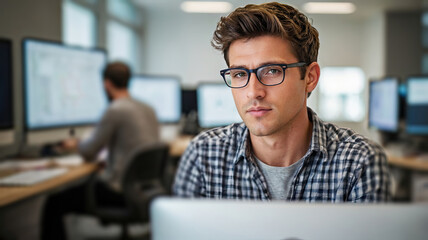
[
  {"x": 100, "y": 137},
  {"x": 188, "y": 179},
  {"x": 373, "y": 183}
]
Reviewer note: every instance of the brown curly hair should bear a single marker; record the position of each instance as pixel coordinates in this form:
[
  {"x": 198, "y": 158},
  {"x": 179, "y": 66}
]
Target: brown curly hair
[{"x": 269, "y": 19}]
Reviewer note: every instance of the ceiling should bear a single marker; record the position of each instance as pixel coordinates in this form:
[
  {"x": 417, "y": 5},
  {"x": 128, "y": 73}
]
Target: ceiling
[{"x": 363, "y": 7}]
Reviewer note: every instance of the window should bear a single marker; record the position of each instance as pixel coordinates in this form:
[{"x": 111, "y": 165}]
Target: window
[
  {"x": 341, "y": 94},
  {"x": 425, "y": 42},
  {"x": 79, "y": 25},
  {"x": 122, "y": 44},
  {"x": 425, "y": 30},
  {"x": 124, "y": 11},
  {"x": 425, "y": 64},
  {"x": 114, "y": 25},
  {"x": 122, "y": 32}
]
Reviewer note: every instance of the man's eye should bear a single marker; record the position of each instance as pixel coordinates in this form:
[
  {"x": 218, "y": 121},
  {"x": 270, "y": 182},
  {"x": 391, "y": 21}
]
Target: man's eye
[
  {"x": 241, "y": 74},
  {"x": 273, "y": 71}
]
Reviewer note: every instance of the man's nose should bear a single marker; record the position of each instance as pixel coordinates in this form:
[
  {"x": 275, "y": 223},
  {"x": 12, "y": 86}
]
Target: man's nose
[{"x": 255, "y": 88}]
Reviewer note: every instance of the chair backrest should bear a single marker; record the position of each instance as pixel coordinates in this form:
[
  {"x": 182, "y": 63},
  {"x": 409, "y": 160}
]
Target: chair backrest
[{"x": 143, "y": 177}]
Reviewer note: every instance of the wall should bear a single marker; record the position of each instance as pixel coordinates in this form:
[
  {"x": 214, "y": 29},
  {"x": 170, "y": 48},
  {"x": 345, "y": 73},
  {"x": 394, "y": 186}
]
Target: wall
[
  {"x": 404, "y": 48},
  {"x": 179, "y": 44},
  {"x": 19, "y": 19}
]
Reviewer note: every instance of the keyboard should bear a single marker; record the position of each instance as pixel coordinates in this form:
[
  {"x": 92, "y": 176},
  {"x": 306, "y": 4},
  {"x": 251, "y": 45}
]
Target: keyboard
[{"x": 31, "y": 177}]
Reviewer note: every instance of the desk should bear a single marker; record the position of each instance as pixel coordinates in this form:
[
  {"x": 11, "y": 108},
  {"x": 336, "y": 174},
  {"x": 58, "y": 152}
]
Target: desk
[
  {"x": 179, "y": 145},
  {"x": 410, "y": 163},
  {"x": 10, "y": 195},
  {"x": 410, "y": 175}
]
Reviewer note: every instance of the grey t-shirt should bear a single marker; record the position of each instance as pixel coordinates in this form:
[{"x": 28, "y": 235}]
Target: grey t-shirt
[
  {"x": 126, "y": 125},
  {"x": 279, "y": 179}
]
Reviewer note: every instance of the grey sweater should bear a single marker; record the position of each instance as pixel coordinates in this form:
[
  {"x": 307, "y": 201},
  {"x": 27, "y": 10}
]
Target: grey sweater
[{"x": 126, "y": 125}]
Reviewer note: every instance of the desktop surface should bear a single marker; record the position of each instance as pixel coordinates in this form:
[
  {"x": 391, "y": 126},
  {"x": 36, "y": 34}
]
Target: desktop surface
[
  {"x": 173, "y": 218},
  {"x": 75, "y": 175}
]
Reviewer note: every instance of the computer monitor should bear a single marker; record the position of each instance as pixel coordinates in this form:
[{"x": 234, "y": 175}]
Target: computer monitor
[
  {"x": 216, "y": 106},
  {"x": 163, "y": 93},
  {"x": 63, "y": 85},
  {"x": 188, "y": 101},
  {"x": 417, "y": 105},
  {"x": 384, "y": 104},
  {"x": 194, "y": 219},
  {"x": 6, "y": 93}
]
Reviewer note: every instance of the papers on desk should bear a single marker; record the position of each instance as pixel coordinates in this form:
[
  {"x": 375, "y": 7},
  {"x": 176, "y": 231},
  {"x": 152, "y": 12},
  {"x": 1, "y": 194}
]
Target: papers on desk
[
  {"x": 24, "y": 163},
  {"x": 38, "y": 163},
  {"x": 31, "y": 177},
  {"x": 68, "y": 161}
]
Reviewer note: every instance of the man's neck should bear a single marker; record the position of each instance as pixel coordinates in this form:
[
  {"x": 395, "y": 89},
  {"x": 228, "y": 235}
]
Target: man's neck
[
  {"x": 118, "y": 94},
  {"x": 286, "y": 147}
]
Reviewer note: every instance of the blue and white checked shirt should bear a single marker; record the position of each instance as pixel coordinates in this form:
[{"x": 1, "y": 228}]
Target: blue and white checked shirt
[{"x": 340, "y": 166}]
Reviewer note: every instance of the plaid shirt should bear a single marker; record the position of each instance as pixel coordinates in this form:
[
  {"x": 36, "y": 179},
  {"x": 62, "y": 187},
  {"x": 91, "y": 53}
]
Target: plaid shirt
[{"x": 340, "y": 166}]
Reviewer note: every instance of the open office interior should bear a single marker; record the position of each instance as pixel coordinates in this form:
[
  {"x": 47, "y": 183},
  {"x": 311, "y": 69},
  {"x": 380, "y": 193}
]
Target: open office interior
[{"x": 374, "y": 77}]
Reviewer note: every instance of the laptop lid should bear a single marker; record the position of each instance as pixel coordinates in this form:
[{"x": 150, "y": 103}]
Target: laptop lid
[{"x": 195, "y": 219}]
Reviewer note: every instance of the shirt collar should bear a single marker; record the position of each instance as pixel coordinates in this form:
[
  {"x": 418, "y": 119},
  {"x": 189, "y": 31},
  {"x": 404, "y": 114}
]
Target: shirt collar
[
  {"x": 318, "y": 139},
  {"x": 242, "y": 144}
]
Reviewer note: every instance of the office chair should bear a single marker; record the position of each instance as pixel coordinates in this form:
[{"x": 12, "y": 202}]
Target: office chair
[{"x": 142, "y": 181}]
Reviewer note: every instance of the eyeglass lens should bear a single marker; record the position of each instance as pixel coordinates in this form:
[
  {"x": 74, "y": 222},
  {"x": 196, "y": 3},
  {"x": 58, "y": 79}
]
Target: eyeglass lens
[{"x": 268, "y": 75}]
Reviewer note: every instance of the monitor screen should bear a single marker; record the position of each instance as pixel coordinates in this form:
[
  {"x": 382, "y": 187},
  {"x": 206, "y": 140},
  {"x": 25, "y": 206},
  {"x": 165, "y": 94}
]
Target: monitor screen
[
  {"x": 216, "y": 106},
  {"x": 163, "y": 93},
  {"x": 6, "y": 95},
  {"x": 384, "y": 104},
  {"x": 417, "y": 105},
  {"x": 62, "y": 84}
]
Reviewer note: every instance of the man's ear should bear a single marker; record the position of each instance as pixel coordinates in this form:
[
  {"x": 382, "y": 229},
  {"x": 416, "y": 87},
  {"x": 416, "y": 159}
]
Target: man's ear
[
  {"x": 107, "y": 84},
  {"x": 312, "y": 76}
]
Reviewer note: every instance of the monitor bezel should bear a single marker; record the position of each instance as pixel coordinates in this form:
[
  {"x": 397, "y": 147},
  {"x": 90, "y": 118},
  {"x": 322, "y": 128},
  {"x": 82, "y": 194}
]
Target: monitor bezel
[
  {"x": 397, "y": 95},
  {"x": 163, "y": 77},
  {"x": 11, "y": 86},
  {"x": 418, "y": 77},
  {"x": 24, "y": 82}
]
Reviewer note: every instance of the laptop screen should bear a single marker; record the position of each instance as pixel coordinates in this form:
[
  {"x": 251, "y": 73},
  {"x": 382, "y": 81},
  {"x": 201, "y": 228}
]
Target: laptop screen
[{"x": 191, "y": 219}]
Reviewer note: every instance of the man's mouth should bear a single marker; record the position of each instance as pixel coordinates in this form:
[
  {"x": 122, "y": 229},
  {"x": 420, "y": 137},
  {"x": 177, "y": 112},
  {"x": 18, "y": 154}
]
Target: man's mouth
[{"x": 258, "y": 111}]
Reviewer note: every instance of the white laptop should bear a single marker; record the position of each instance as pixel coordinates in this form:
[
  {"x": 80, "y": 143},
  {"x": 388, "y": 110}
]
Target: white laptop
[{"x": 196, "y": 219}]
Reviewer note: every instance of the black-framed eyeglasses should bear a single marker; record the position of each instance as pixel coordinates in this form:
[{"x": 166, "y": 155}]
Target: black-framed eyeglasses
[{"x": 268, "y": 75}]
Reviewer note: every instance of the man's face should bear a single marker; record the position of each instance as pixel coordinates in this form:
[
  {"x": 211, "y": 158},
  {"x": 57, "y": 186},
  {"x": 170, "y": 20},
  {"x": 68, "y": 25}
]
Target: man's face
[{"x": 268, "y": 110}]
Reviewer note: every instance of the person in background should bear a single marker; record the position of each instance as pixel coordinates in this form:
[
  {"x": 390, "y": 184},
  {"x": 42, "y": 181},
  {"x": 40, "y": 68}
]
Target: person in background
[
  {"x": 282, "y": 150},
  {"x": 126, "y": 125}
]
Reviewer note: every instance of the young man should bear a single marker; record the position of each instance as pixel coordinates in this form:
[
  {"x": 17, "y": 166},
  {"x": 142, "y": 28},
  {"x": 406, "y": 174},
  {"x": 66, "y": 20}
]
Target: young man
[
  {"x": 126, "y": 125},
  {"x": 282, "y": 150}
]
